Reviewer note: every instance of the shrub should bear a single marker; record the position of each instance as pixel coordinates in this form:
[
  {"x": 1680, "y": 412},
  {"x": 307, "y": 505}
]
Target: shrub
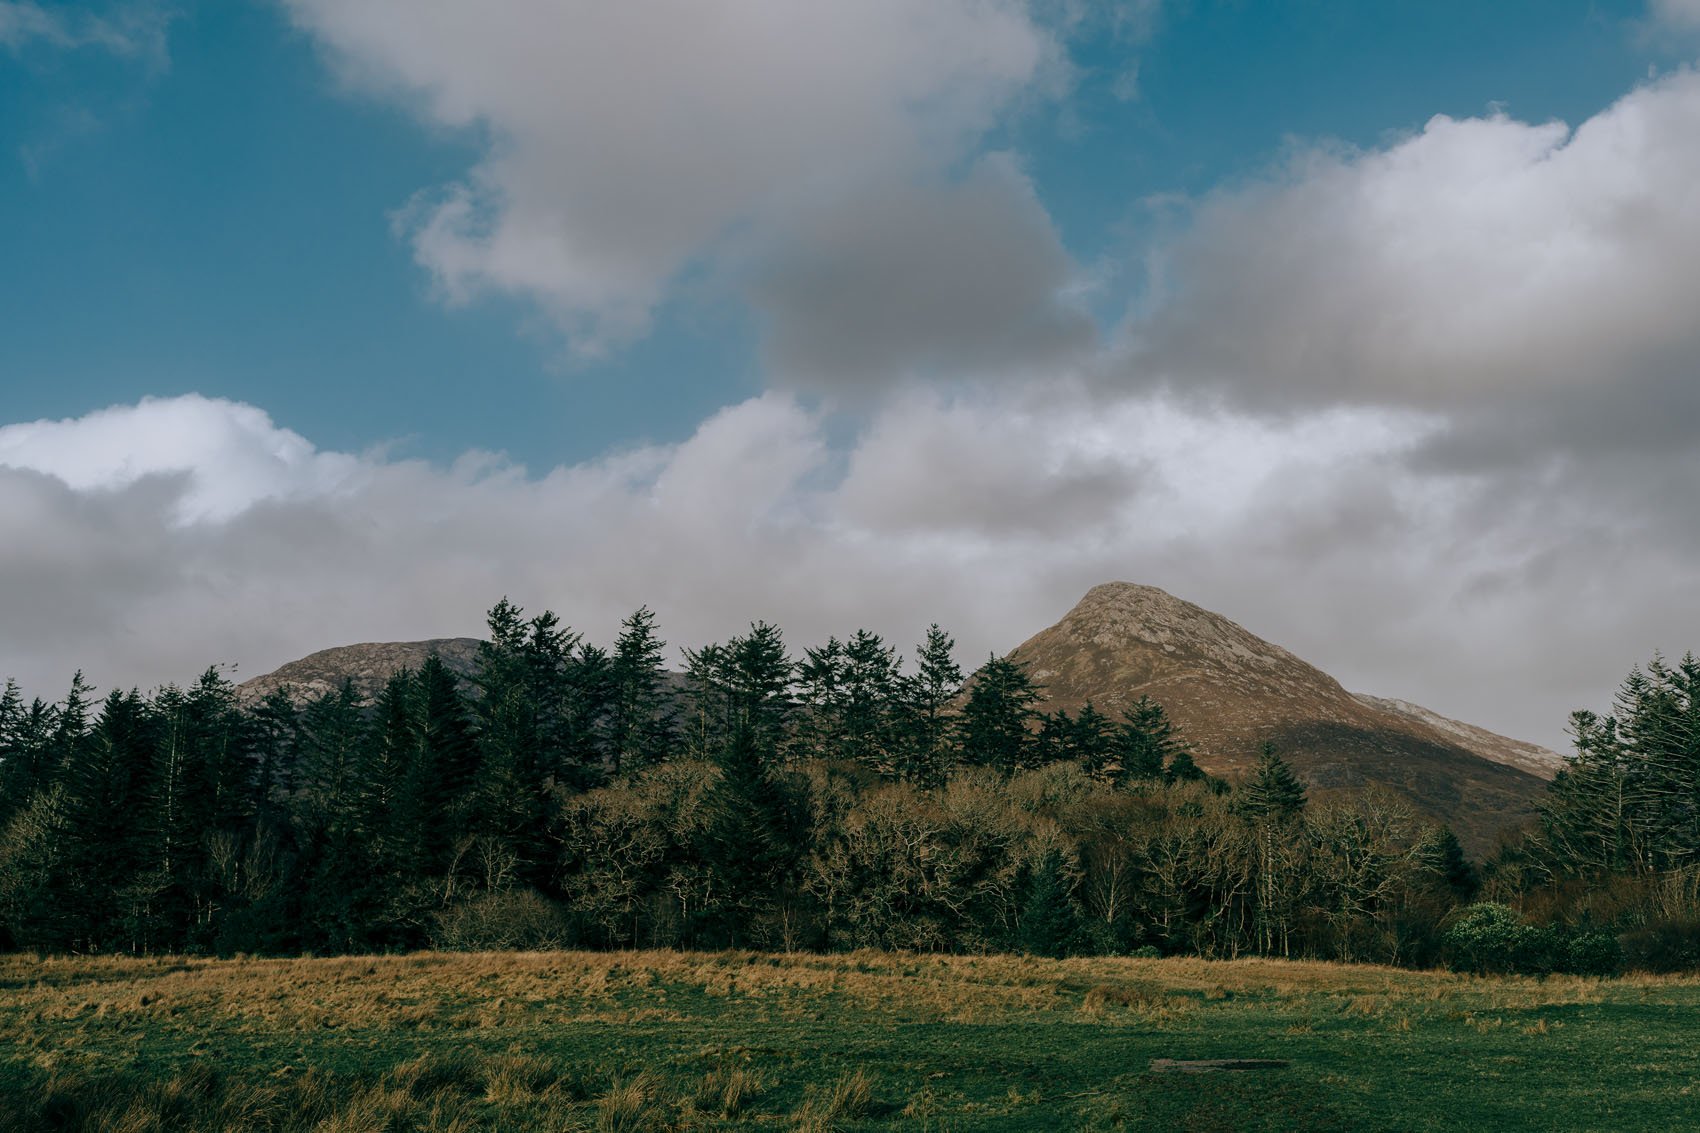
[
  {"x": 1490, "y": 937},
  {"x": 521, "y": 919},
  {"x": 1592, "y": 954},
  {"x": 1664, "y": 946}
]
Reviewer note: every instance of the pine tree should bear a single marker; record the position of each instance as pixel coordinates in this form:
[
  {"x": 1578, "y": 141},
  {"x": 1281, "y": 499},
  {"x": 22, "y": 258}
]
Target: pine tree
[
  {"x": 520, "y": 709},
  {"x": 104, "y": 786},
  {"x": 1271, "y": 800},
  {"x": 330, "y": 748},
  {"x": 1092, "y": 742},
  {"x": 1050, "y": 920},
  {"x": 1272, "y": 793},
  {"x": 199, "y": 786},
  {"x": 23, "y": 749},
  {"x": 272, "y": 725},
  {"x": 821, "y": 699},
  {"x": 1183, "y": 769},
  {"x": 640, "y": 719},
  {"x": 871, "y": 691},
  {"x": 754, "y": 838},
  {"x": 588, "y": 759},
  {"x": 995, "y": 721},
  {"x": 448, "y": 768},
  {"x": 1629, "y": 800},
  {"x": 926, "y": 736},
  {"x": 1054, "y": 741},
  {"x": 1454, "y": 866},
  {"x": 743, "y": 685},
  {"x": 1144, "y": 743}
]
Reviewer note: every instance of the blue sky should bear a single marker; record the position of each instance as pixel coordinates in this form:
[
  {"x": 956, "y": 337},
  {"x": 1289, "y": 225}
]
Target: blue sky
[
  {"x": 218, "y": 221},
  {"x": 816, "y": 310}
]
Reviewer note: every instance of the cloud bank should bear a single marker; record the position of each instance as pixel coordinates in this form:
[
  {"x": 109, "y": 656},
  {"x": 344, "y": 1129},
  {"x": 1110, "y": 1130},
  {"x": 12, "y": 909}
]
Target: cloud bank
[{"x": 148, "y": 559}]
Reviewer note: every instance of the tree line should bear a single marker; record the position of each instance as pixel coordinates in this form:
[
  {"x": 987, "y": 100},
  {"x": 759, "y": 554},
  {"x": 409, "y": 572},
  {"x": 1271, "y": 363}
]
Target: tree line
[{"x": 567, "y": 794}]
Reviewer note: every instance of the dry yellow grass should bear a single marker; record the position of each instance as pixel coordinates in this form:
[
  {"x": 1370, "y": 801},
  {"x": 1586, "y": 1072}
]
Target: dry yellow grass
[{"x": 455, "y": 1042}]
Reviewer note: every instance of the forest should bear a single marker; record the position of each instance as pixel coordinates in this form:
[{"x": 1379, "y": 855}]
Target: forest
[{"x": 564, "y": 794}]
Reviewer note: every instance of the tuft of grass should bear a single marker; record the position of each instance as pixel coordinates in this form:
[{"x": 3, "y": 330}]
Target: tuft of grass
[
  {"x": 847, "y": 1099},
  {"x": 630, "y": 1106},
  {"x": 728, "y": 1092}
]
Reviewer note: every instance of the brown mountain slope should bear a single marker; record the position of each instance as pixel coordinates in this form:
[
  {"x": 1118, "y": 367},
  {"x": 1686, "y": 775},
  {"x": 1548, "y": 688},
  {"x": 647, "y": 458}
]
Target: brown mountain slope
[
  {"x": 1229, "y": 690},
  {"x": 369, "y": 665}
]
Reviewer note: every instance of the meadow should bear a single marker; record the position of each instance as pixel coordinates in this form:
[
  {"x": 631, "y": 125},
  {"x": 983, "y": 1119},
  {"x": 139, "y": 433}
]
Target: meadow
[{"x": 861, "y": 1041}]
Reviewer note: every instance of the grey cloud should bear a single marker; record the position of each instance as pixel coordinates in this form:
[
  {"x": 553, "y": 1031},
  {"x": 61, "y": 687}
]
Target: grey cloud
[
  {"x": 919, "y": 281},
  {"x": 990, "y": 514},
  {"x": 629, "y": 143}
]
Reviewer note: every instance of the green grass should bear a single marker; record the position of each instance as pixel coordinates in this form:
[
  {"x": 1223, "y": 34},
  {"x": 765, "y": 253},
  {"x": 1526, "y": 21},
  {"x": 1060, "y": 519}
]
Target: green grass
[{"x": 660, "y": 1040}]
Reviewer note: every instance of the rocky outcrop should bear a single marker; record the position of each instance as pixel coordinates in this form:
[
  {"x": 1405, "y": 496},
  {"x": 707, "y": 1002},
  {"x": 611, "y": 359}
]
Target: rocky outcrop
[{"x": 369, "y": 666}]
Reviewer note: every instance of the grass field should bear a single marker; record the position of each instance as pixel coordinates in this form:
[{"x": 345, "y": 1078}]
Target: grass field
[{"x": 662, "y": 1040}]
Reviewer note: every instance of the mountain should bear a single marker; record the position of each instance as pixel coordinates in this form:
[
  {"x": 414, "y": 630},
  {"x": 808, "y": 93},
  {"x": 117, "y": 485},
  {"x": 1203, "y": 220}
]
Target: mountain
[
  {"x": 368, "y": 666},
  {"x": 1228, "y": 690}
]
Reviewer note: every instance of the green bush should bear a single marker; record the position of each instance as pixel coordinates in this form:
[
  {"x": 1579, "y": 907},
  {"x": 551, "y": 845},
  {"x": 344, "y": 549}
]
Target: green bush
[
  {"x": 1489, "y": 937},
  {"x": 1592, "y": 954}
]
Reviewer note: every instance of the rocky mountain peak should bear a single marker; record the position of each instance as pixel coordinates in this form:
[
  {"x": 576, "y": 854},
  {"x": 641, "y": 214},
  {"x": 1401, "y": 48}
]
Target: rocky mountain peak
[
  {"x": 1229, "y": 691},
  {"x": 1116, "y": 616}
]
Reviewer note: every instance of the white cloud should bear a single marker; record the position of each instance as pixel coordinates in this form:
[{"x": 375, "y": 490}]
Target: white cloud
[
  {"x": 1481, "y": 262},
  {"x": 230, "y": 456},
  {"x": 1682, "y": 15},
  {"x": 175, "y": 533},
  {"x": 628, "y": 143}
]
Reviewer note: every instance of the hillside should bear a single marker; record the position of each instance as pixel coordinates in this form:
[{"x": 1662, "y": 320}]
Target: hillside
[
  {"x": 369, "y": 665},
  {"x": 1229, "y": 690}
]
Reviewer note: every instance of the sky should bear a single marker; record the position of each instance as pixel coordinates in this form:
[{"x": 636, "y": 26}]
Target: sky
[{"x": 1375, "y": 328}]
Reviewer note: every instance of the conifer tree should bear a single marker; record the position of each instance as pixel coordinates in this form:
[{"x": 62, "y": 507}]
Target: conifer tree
[
  {"x": 640, "y": 717},
  {"x": 745, "y": 684},
  {"x": 1272, "y": 793},
  {"x": 330, "y": 750},
  {"x": 1271, "y": 800},
  {"x": 1183, "y": 768},
  {"x": 926, "y": 734},
  {"x": 1054, "y": 741},
  {"x": 448, "y": 768},
  {"x": 272, "y": 728},
  {"x": 23, "y": 748},
  {"x": 1092, "y": 742},
  {"x": 521, "y": 708},
  {"x": 1049, "y": 919},
  {"x": 103, "y": 786},
  {"x": 1145, "y": 743},
  {"x": 869, "y": 716},
  {"x": 995, "y": 721}
]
